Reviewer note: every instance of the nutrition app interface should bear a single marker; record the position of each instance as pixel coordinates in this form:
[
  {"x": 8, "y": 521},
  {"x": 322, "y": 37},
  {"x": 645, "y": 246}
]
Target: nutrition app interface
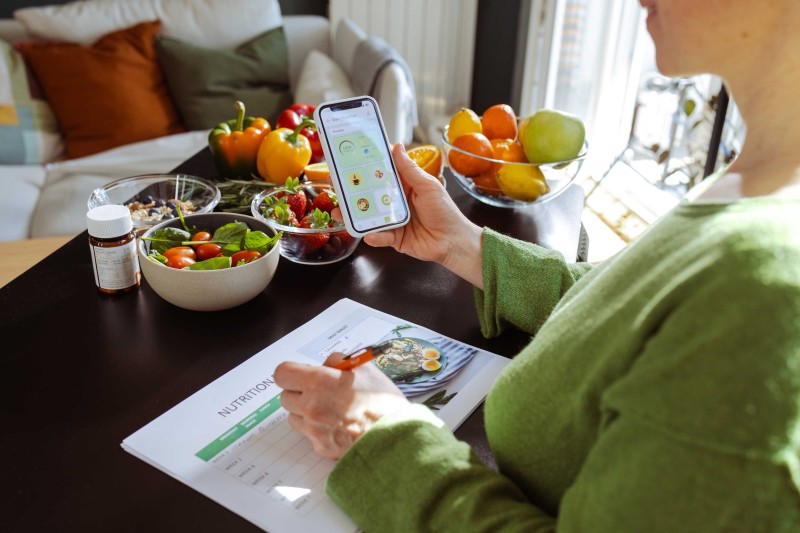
[{"x": 364, "y": 167}]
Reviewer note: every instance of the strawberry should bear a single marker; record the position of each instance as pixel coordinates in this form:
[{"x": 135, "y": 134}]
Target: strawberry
[
  {"x": 325, "y": 201},
  {"x": 317, "y": 219},
  {"x": 279, "y": 211},
  {"x": 295, "y": 196}
]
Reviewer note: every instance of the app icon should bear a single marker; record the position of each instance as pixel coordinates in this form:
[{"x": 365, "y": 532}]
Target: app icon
[
  {"x": 386, "y": 199},
  {"x": 363, "y": 204},
  {"x": 355, "y": 179},
  {"x": 378, "y": 173}
]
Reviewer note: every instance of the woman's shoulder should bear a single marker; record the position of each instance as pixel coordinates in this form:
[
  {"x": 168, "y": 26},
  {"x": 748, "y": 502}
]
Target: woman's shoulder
[{"x": 757, "y": 237}]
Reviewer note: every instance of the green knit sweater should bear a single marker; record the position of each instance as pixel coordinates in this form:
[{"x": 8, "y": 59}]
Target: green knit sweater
[{"x": 661, "y": 392}]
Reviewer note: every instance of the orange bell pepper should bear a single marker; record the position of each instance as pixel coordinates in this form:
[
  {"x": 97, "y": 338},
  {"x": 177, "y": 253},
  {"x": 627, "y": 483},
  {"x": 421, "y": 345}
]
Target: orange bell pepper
[{"x": 235, "y": 144}]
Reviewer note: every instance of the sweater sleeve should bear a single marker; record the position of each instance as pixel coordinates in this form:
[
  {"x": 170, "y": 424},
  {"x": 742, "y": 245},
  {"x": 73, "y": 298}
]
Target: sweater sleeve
[
  {"x": 522, "y": 283},
  {"x": 410, "y": 473}
]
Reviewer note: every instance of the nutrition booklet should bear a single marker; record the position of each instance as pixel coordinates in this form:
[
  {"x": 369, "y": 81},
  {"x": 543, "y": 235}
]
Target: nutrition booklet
[{"x": 231, "y": 440}]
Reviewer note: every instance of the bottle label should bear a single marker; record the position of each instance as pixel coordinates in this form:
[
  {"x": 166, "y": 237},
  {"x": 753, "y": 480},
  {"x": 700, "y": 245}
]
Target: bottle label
[{"x": 115, "y": 268}]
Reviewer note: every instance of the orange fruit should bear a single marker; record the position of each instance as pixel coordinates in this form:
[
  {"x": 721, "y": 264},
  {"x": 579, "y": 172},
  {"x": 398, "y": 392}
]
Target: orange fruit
[
  {"x": 468, "y": 165},
  {"x": 499, "y": 122},
  {"x": 508, "y": 150},
  {"x": 487, "y": 183},
  {"x": 428, "y": 157},
  {"x": 464, "y": 121},
  {"x": 318, "y": 172}
]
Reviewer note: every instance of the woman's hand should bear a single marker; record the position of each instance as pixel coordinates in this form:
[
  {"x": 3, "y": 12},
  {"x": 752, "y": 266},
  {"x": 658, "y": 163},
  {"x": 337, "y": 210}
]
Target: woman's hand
[
  {"x": 332, "y": 407},
  {"x": 437, "y": 231}
]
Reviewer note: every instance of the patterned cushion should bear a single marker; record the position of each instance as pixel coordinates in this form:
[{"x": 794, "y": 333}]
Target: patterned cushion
[{"x": 28, "y": 129}]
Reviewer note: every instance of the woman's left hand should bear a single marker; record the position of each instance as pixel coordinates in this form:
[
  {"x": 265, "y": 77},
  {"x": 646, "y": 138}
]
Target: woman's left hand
[{"x": 332, "y": 407}]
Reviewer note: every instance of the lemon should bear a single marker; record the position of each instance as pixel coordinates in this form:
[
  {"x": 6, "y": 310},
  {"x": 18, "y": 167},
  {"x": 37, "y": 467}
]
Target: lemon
[
  {"x": 464, "y": 121},
  {"x": 522, "y": 182}
]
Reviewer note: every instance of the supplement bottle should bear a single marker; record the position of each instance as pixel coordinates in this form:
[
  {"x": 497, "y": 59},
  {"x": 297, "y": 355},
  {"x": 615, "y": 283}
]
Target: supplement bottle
[{"x": 112, "y": 243}]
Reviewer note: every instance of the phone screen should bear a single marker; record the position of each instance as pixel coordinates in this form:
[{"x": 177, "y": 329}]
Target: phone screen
[{"x": 363, "y": 165}]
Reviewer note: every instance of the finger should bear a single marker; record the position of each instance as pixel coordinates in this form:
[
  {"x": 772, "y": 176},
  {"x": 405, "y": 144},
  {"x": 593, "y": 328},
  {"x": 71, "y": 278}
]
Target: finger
[
  {"x": 292, "y": 401},
  {"x": 293, "y": 376},
  {"x": 334, "y": 359},
  {"x": 382, "y": 238},
  {"x": 336, "y": 214},
  {"x": 298, "y": 423},
  {"x": 411, "y": 175}
]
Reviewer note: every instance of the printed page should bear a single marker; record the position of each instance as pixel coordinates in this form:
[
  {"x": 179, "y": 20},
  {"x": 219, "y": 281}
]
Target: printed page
[{"x": 231, "y": 441}]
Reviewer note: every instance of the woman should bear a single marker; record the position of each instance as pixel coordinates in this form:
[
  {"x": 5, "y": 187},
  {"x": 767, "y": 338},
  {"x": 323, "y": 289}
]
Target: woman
[{"x": 661, "y": 391}]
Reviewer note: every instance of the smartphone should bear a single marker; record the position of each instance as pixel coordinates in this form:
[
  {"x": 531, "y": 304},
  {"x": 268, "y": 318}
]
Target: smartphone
[{"x": 362, "y": 170}]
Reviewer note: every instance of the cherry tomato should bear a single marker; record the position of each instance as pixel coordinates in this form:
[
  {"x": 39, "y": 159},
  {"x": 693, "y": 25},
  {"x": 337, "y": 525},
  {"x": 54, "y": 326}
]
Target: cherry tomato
[
  {"x": 200, "y": 236},
  {"x": 182, "y": 251},
  {"x": 244, "y": 255},
  {"x": 179, "y": 261},
  {"x": 209, "y": 250}
]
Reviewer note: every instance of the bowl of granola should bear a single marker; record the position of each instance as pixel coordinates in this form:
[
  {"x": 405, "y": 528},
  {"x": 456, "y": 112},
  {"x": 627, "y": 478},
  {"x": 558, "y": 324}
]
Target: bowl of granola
[{"x": 154, "y": 198}]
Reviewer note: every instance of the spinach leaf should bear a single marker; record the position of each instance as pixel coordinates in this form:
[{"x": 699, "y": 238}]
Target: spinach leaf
[
  {"x": 231, "y": 232},
  {"x": 166, "y": 238},
  {"x": 158, "y": 258},
  {"x": 215, "y": 263},
  {"x": 231, "y": 248},
  {"x": 259, "y": 241}
]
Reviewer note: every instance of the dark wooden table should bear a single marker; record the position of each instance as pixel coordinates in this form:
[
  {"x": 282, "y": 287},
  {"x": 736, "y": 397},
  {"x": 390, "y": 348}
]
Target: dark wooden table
[{"x": 80, "y": 370}]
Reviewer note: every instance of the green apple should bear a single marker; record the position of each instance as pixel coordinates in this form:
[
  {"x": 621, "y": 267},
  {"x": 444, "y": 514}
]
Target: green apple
[{"x": 549, "y": 135}]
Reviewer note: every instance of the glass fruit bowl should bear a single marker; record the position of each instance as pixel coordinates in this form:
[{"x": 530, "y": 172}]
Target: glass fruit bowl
[
  {"x": 306, "y": 245},
  {"x": 510, "y": 184},
  {"x": 154, "y": 198}
]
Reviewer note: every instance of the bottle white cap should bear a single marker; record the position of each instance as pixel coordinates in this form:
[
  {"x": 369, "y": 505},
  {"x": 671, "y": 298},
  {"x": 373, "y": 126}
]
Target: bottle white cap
[{"x": 107, "y": 221}]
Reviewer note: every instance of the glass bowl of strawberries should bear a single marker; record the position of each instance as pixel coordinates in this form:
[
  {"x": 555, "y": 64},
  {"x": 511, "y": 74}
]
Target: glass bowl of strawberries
[{"x": 302, "y": 211}]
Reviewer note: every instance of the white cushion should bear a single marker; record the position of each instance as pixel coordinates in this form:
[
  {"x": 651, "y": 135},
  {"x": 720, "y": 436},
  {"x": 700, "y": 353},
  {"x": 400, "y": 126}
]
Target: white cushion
[
  {"x": 345, "y": 41},
  {"x": 322, "y": 80},
  {"x": 303, "y": 34},
  {"x": 21, "y": 186},
  {"x": 62, "y": 206},
  {"x": 208, "y": 23}
]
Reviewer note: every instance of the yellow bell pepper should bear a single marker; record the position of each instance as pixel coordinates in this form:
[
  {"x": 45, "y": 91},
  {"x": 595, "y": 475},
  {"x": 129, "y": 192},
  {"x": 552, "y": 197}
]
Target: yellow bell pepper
[{"x": 284, "y": 153}]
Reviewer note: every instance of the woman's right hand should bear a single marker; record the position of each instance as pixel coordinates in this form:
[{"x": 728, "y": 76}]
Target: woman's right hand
[{"x": 437, "y": 231}]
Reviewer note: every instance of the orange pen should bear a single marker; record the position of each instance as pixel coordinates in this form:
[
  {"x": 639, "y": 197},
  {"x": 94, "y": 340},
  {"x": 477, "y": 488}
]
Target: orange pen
[{"x": 357, "y": 358}]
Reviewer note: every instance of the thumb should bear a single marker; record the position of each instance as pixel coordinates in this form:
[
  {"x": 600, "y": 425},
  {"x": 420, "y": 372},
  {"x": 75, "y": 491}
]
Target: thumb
[{"x": 411, "y": 175}]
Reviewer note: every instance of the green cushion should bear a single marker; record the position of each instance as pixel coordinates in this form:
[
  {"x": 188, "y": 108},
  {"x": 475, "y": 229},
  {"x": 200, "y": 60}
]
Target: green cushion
[{"x": 206, "y": 82}]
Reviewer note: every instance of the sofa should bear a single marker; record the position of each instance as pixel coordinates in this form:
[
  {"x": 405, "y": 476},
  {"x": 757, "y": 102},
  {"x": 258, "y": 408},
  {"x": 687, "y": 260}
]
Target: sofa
[{"x": 46, "y": 194}]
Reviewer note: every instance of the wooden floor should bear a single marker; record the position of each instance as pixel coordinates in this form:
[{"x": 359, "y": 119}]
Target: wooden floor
[{"x": 18, "y": 256}]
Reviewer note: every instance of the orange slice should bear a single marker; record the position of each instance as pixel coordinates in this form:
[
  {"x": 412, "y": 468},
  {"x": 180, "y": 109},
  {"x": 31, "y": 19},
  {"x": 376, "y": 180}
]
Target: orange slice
[
  {"x": 428, "y": 157},
  {"x": 318, "y": 172}
]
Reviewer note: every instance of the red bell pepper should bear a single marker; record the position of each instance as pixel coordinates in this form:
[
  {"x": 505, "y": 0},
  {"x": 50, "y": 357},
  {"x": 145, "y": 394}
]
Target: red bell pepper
[{"x": 292, "y": 116}]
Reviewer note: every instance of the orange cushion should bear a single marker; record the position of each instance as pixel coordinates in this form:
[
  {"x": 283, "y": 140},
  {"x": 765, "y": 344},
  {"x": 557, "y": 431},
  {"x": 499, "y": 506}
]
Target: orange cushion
[{"x": 106, "y": 95}]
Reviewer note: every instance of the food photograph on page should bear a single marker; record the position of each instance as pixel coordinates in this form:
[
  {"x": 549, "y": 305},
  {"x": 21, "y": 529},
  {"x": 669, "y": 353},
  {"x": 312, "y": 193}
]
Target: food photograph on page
[{"x": 417, "y": 360}]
